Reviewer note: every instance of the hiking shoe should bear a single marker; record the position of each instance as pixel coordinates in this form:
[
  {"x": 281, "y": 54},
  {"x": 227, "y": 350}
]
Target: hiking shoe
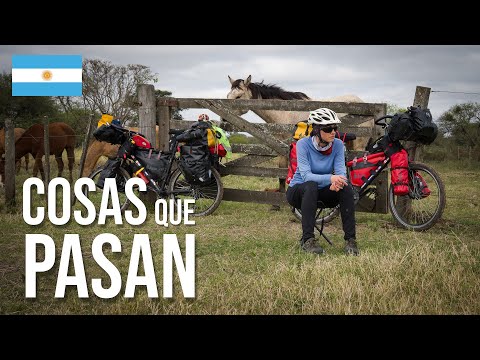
[
  {"x": 351, "y": 247},
  {"x": 311, "y": 245}
]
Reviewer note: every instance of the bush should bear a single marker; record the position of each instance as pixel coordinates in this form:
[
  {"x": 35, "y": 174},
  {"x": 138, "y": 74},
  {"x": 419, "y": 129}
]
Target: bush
[{"x": 237, "y": 138}]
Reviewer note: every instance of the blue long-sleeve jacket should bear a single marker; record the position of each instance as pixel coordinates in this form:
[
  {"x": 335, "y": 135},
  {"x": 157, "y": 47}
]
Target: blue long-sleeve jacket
[{"x": 312, "y": 165}]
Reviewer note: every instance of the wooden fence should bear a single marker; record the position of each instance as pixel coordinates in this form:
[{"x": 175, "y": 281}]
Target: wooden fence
[{"x": 274, "y": 138}]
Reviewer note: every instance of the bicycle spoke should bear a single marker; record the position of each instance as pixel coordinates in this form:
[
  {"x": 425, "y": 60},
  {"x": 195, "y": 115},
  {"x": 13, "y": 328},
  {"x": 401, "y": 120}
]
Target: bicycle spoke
[{"x": 207, "y": 197}]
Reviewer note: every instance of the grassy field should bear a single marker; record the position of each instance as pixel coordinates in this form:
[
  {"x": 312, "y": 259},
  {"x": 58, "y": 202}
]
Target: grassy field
[{"x": 248, "y": 261}]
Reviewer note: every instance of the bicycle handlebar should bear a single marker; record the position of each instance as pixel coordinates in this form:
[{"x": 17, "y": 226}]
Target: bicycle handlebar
[
  {"x": 384, "y": 124},
  {"x": 175, "y": 131}
]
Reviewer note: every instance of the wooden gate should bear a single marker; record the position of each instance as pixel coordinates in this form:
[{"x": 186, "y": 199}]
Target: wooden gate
[{"x": 275, "y": 139}]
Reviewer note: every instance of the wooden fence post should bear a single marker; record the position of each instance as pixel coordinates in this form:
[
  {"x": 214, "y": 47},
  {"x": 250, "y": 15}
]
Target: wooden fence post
[
  {"x": 9, "y": 163},
  {"x": 84, "y": 153},
  {"x": 146, "y": 122},
  {"x": 85, "y": 144},
  {"x": 146, "y": 112},
  {"x": 163, "y": 115},
  {"x": 422, "y": 96}
]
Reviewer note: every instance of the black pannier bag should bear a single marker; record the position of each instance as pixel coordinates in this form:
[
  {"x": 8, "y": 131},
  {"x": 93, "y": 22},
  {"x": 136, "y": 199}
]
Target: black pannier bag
[
  {"x": 155, "y": 162},
  {"x": 195, "y": 163},
  {"x": 196, "y": 135},
  {"x": 110, "y": 171},
  {"x": 111, "y": 134}
]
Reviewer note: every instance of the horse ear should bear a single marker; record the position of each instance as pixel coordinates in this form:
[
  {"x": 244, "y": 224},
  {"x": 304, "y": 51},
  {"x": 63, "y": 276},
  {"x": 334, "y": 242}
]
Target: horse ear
[
  {"x": 249, "y": 79},
  {"x": 231, "y": 80}
]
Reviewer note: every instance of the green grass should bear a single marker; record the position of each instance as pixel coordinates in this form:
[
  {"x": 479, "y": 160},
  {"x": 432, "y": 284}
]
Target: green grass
[{"x": 248, "y": 261}]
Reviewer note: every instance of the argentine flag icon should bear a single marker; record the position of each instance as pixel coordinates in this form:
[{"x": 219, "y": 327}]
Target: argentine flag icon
[{"x": 46, "y": 75}]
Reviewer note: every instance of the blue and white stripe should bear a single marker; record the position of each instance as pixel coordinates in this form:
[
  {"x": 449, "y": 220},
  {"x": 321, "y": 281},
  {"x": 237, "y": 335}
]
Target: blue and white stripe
[{"x": 28, "y": 79}]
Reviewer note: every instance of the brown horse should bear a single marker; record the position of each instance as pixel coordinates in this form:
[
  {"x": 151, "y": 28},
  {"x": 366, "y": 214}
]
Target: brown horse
[
  {"x": 96, "y": 149},
  {"x": 62, "y": 137},
  {"x": 18, "y": 132}
]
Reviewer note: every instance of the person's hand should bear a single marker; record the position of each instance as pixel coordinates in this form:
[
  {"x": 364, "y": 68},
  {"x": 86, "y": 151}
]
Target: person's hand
[
  {"x": 338, "y": 182},
  {"x": 334, "y": 188}
]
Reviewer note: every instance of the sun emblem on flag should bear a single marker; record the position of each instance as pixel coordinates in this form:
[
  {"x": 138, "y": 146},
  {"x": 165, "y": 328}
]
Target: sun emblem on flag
[{"x": 47, "y": 75}]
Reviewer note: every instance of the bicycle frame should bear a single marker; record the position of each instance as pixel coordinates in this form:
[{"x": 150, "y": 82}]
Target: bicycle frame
[{"x": 160, "y": 188}]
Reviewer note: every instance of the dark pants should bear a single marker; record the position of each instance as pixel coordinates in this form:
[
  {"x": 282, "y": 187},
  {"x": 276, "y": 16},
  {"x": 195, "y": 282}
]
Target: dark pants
[{"x": 305, "y": 196}]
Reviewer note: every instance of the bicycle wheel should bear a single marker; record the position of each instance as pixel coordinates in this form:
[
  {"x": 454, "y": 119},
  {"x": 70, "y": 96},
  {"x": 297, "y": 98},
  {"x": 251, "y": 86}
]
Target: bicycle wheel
[
  {"x": 207, "y": 197},
  {"x": 96, "y": 196},
  {"x": 418, "y": 210},
  {"x": 326, "y": 214}
]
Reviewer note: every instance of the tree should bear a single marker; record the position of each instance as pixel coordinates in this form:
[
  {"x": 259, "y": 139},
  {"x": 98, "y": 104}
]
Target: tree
[
  {"x": 109, "y": 88},
  {"x": 24, "y": 110},
  {"x": 462, "y": 123},
  {"x": 394, "y": 109}
]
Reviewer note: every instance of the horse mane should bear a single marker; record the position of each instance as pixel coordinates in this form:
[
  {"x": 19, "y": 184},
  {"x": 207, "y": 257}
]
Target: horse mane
[{"x": 273, "y": 91}]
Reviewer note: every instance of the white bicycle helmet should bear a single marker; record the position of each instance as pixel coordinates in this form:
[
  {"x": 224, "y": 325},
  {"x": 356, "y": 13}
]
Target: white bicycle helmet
[{"x": 323, "y": 116}]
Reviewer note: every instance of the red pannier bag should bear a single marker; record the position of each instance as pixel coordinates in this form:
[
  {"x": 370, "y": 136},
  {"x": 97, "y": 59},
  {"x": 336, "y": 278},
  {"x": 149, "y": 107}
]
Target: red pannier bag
[
  {"x": 399, "y": 172},
  {"x": 220, "y": 150},
  {"x": 292, "y": 163},
  {"x": 362, "y": 168},
  {"x": 420, "y": 186}
]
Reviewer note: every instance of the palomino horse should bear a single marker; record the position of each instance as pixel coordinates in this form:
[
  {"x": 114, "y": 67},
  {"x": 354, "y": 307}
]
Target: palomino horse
[
  {"x": 245, "y": 89},
  {"x": 62, "y": 137},
  {"x": 96, "y": 149},
  {"x": 18, "y": 132}
]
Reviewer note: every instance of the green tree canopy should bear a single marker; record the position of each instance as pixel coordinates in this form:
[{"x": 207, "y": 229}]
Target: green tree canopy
[
  {"x": 462, "y": 123},
  {"x": 24, "y": 110},
  {"x": 394, "y": 109}
]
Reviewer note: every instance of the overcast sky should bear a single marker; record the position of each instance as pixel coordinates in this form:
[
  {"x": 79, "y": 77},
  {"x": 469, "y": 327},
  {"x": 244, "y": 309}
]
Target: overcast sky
[{"x": 375, "y": 73}]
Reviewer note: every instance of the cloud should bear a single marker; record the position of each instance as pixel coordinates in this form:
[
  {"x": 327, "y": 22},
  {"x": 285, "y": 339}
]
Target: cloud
[{"x": 380, "y": 73}]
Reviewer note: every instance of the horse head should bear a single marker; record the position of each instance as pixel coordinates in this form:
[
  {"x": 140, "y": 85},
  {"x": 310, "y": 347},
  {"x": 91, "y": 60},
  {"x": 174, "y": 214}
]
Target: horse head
[{"x": 240, "y": 90}]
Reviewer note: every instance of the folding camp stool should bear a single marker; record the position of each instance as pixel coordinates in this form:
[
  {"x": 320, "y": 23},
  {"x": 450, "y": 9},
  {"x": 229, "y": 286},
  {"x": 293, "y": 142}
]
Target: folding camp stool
[{"x": 320, "y": 207}]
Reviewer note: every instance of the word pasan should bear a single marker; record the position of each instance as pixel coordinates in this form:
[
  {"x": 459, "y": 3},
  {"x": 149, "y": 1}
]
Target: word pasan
[
  {"x": 110, "y": 195},
  {"x": 140, "y": 249}
]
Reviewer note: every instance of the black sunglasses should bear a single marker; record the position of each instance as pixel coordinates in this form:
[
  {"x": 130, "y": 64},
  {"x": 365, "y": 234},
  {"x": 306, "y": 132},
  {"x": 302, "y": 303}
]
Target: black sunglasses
[{"x": 329, "y": 129}]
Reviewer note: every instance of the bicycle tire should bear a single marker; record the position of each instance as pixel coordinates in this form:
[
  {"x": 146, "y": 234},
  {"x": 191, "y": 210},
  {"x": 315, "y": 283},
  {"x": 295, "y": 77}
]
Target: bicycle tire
[
  {"x": 123, "y": 177},
  {"x": 410, "y": 208},
  {"x": 204, "y": 193},
  {"x": 329, "y": 215}
]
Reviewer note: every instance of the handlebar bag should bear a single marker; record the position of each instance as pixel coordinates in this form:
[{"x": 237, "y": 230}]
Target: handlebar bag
[
  {"x": 425, "y": 131},
  {"x": 110, "y": 134},
  {"x": 401, "y": 127}
]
